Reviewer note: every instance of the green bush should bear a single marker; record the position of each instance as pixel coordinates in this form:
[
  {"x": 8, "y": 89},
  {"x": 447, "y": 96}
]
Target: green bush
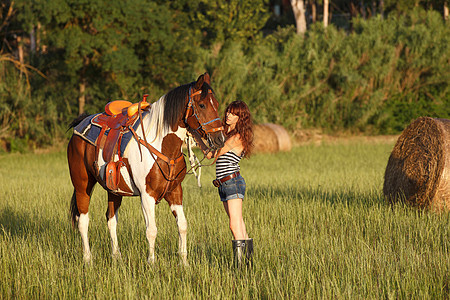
[
  {"x": 373, "y": 80},
  {"x": 27, "y": 120}
]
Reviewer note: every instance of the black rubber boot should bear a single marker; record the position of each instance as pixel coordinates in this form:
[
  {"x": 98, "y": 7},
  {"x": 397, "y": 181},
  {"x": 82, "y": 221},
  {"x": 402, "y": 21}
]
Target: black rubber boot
[
  {"x": 249, "y": 252},
  {"x": 239, "y": 252}
]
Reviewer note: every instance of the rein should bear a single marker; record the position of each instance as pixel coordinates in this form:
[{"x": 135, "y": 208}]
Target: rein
[
  {"x": 199, "y": 141},
  {"x": 199, "y": 165}
]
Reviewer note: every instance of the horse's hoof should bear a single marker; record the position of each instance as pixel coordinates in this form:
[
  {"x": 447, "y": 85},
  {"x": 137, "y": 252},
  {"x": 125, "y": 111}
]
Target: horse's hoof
[
  {"x": 117, "y": 256},
  {"x": 184, "y": 263},
  {"x": 87, "y": 261},
  {"x": 151, "y": 260},
  {"x": 184, "y": 260}
]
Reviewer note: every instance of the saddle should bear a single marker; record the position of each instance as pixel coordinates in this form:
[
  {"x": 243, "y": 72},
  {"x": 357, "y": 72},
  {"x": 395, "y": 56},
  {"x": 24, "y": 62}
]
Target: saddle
[{"x": 117, "y": 120}]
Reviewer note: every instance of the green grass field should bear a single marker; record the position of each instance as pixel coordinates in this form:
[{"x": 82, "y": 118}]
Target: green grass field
[{"x": 320, "y": 226}]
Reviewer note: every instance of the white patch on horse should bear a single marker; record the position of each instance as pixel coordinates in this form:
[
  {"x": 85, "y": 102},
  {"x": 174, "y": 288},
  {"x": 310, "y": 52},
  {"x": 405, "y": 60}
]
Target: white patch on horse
[
  {"x": 182, "y": 230},
  {"x": 83, "y": 226},
  {"x": 181, "y": 133},
  {"x": 101, "y": 164},
  {"x": 212, "y": 104},
  {"x": 127, "y": 178},
  {"x": 112, "y": 226},
  {"x": 148, "y": 209}
]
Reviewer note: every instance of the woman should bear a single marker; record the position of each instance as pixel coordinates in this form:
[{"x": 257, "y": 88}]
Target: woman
[{"x": 231, "y": 184}]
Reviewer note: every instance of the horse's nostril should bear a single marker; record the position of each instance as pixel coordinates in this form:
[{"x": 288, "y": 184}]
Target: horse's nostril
[
  {"x": 216, "y": 141},
  {"x": 220, "y": 141}
]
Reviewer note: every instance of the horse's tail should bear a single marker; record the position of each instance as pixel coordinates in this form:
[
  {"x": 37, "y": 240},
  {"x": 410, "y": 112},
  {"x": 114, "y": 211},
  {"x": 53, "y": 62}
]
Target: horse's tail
[
  {"x": 74, "y": 213},
  {"x": 77, "y": 120}
]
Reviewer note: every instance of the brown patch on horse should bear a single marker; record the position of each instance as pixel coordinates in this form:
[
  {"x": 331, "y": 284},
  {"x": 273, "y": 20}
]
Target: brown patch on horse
[
  {"x": 157, "y": 178},
  {"x": 114, "y": 202},
  {"x": 82, "y": 174},
  {"x": 175, "y": 197}
]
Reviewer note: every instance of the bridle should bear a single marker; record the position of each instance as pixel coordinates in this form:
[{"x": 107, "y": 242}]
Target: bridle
[{"x": 192, "y": 112}]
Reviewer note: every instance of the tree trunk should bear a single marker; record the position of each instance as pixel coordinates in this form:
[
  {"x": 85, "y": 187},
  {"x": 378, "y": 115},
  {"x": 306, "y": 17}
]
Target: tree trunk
[
  {"x": 313, "y": 11},
  {"x": 381, "y": 8},
  {"x": 298, "y": 7},
  {"x": 445, "y": 11},
  {"x": 20, "y": 53},
  {"x": 33, "y": 40},
  {"x": 363, "y": 9},
  {"x": 82, "y": 98},
  {"x": 326, "y": 5},
  {"x": 38, "y": 37}
]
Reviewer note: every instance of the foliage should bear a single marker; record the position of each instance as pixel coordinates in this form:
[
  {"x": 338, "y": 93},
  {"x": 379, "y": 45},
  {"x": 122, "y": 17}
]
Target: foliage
[
  {"x": 374, "y": 79},
  {"x": 337, "y": 81},
  {"x": 115, "y": 48},
  {"x": 25, "y": 121},
  {"x": 403, "y": 6},
  {"x": 224, "y": 21}
]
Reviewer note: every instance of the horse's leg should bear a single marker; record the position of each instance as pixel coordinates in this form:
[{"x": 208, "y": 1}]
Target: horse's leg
[
  {"x": 114, "y": 202},
  {"x": 175, "y": 200},
  {"x": 83, "y": 182},
  {"x": 148, "y": 208},
  {"x": 83, "y": 226}
]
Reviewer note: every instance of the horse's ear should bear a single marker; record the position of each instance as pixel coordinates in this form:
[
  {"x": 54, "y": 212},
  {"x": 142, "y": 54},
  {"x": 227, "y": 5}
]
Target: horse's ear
[
  {"x": 207, "y": 79},
  {"x": 202, "y": 79}
]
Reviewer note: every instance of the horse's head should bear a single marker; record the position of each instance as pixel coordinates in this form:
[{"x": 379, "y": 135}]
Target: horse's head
[{"x": 202, "y": 113}]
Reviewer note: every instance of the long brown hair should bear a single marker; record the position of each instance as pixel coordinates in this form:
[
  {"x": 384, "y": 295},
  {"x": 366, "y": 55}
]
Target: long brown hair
[{"x": 244, "y": 125}]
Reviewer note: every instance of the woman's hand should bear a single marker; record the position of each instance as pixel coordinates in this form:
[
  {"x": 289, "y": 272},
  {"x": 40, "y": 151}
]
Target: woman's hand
[
  {"x": 212, "y": 154},
  {"x": 209, "y": 155}
]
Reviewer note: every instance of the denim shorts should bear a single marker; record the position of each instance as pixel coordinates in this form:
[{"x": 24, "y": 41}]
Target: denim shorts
[{"x": 232, "y": 189}]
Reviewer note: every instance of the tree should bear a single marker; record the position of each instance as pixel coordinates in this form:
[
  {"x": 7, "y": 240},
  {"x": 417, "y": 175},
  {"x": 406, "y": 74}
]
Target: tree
[
  {"x": 298, "y": 7},
  {"x": 233, "y": 20},
  {"x": 445, "y": 11},
  {"x": 100, "y": 50},
  {"x": 402, "y": 6},
  {"x": 325, "y": 12}
]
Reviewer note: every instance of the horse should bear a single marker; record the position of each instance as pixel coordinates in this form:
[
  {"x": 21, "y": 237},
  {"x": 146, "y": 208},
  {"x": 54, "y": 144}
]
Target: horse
[{"x": 153, "y": 162}]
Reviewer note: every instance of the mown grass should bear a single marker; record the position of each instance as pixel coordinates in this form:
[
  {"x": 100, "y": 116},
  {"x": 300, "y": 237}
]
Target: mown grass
[{"x": 320, "y": 225}]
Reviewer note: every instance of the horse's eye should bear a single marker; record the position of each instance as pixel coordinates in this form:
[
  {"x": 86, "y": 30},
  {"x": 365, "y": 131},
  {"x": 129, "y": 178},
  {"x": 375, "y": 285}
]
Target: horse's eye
[{"x": 202, "y": 106}]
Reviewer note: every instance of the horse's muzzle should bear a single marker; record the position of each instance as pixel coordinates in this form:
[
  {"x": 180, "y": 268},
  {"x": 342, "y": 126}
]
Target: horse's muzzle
[{"x": 216, "y": 140}]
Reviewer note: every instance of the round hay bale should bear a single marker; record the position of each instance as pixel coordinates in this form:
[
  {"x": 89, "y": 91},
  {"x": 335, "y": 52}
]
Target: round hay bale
[
  {"x": 270, "y": 137},
  {"x": 284, "y": 141},
  {"x": 418, "y": 170},
  {"x": 264, "y": 139}
]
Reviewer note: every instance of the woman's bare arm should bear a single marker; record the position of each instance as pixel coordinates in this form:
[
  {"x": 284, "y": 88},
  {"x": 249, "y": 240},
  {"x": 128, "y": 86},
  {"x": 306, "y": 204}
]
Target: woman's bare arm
[{"x": 233, "y": 143}]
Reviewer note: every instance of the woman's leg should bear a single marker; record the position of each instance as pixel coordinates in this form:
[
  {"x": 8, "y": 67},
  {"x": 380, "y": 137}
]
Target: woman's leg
[
  {"x": 225, "y": 205},
  {"x": 233, "y": 209}
]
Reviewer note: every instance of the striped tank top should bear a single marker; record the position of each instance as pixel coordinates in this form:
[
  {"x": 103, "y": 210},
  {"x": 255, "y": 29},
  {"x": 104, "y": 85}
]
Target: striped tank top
[{"x": 227, "y": 163}]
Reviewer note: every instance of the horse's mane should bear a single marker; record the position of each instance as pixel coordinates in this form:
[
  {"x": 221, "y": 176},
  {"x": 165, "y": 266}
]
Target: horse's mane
[
  {"x": 78, "y": 120},
  {"x": 175, "y": 104},
  {"x": 166, "y": 112}
]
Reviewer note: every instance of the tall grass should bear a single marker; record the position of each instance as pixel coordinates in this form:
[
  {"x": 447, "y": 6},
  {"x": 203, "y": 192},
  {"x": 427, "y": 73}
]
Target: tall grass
[{"x": 320, "y": 225}]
